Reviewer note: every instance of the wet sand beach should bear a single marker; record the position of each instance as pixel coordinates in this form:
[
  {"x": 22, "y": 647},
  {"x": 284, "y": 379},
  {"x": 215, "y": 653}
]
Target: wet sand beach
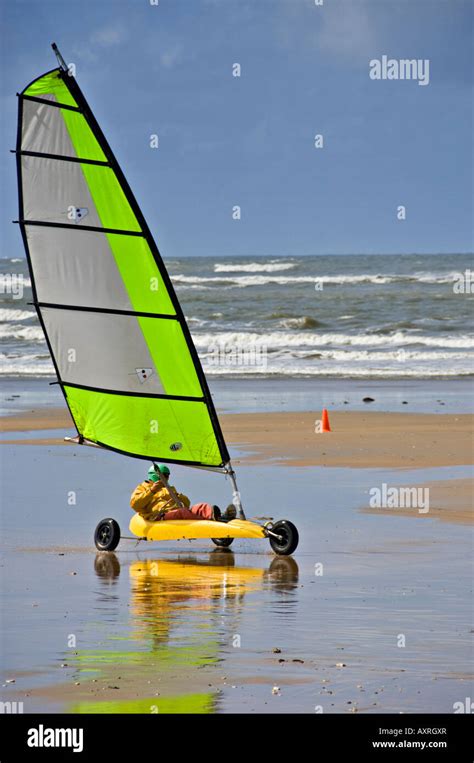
[
  {"x": 368, "y": 616},
  {"x": 450, "y": 501},
  {"x": 366, "y": 440}
]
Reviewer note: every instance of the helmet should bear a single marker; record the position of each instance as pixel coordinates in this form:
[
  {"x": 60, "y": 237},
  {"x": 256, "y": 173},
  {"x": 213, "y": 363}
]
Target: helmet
[{"x": 153, "y": 472}]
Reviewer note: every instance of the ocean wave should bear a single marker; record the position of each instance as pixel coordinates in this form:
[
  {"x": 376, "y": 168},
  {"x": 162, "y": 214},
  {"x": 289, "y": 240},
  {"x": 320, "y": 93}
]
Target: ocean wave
[
  {"x": 333, "y": 371},
  {"x": 28, "y": 333},
  {"x": 241, "y": 281},
  {"x": 7, "y": 314},
  {"x": 196, "y": 322},
  {"x": 420, "y": 277},
  {"x": 25, "y": 365},
  {"x": 342, "y": 279},
  {"x": 437, "y": 324},
  {"x": 304, "y": 322},
  {"x": 439, "y": 277},
  {"x": 377, "y": 356},
  {"x": 253, "y": 267},
  {"x": 200, "y": 287},
  {"x": 284, "y": 339},
  {"x": 357, "y": 279}
]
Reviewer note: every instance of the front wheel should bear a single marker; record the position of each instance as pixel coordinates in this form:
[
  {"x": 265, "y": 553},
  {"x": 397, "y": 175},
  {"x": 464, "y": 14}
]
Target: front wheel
[
  {"x": 287, "y": 540},
  {"x": 107, "y": 535},
  {"x": 223, "y": 542}
]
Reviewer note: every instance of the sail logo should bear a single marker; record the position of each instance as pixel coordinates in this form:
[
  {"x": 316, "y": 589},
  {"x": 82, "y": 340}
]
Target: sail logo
[
  {"x": 77, "y": 213},
  {"x": 143, "y": 374},
  {"x": 48, "y": 737},
  {"x": 403, "y": 68}
]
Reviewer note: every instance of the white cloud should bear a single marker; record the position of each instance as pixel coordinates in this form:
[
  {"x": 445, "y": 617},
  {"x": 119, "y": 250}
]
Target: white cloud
[
  {"x": 171, "y": 56},
  {"x": 107, "y": 36},
  {"x": 346, "y": 29},
  {"x": 337, "y": 28}
]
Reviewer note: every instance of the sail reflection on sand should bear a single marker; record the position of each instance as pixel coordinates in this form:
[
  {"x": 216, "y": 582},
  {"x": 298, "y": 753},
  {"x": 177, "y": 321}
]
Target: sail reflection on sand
[
  {"x": 186, "y": 703},
  {"x": 197, "y": 597},
  {"x": 183, "y": 613}
]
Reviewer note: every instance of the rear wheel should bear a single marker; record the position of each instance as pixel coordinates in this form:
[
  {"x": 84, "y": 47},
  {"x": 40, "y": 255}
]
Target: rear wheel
[
  {"x": 107, "y": 535},
  {"x": 223, "y": 542},
  {"x": 287, "y": 541},
  {"x": 107, "y": 566}
]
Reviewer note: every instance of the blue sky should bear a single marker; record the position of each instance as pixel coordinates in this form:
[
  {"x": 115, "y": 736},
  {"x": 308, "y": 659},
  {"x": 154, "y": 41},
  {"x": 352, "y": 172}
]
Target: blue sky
[{"x": 249, "y": 141}]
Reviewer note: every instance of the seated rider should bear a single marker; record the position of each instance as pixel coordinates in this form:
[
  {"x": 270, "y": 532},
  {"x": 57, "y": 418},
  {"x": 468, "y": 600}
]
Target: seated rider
[{"x": 154, "y": 499}]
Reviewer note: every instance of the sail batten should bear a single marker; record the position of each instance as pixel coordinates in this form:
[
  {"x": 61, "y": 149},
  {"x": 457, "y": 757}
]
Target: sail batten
[
  {"x": 49, "y": 102},
  {"x": 105, "y": 310},
  {"x": 92, "y": 228},
  {"x": 59, "y": 157},
  {"x": 120, "y": 344}
]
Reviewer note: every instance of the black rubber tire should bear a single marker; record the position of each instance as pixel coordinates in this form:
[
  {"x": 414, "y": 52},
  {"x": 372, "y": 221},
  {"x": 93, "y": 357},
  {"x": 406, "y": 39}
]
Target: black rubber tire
[
  {"x": 290, "y": 538},
  {"x": 107, "y": 535},
  {"x": 223, "y": 542}
]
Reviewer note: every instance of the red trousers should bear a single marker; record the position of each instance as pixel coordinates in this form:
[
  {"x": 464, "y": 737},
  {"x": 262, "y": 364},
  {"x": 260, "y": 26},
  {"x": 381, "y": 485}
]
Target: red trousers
[{"x": 197, "y": 511}]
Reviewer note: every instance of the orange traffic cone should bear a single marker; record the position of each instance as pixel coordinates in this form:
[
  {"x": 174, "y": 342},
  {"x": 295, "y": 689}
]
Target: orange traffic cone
[{"x": 325, "y": 422}]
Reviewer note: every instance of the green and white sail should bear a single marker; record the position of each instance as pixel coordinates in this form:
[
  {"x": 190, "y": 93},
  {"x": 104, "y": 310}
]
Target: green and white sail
[{"x": 121, "y": 348}]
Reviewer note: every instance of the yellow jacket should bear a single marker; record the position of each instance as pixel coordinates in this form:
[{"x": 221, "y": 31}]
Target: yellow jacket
[{"x": 146, "y": 503}]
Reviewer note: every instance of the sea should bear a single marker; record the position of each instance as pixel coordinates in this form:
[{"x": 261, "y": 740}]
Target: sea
[{"x": 337, "y": 316}]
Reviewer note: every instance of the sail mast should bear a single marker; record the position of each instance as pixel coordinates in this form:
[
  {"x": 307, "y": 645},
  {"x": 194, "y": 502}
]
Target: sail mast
[{"x": 62, "y": 63}]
